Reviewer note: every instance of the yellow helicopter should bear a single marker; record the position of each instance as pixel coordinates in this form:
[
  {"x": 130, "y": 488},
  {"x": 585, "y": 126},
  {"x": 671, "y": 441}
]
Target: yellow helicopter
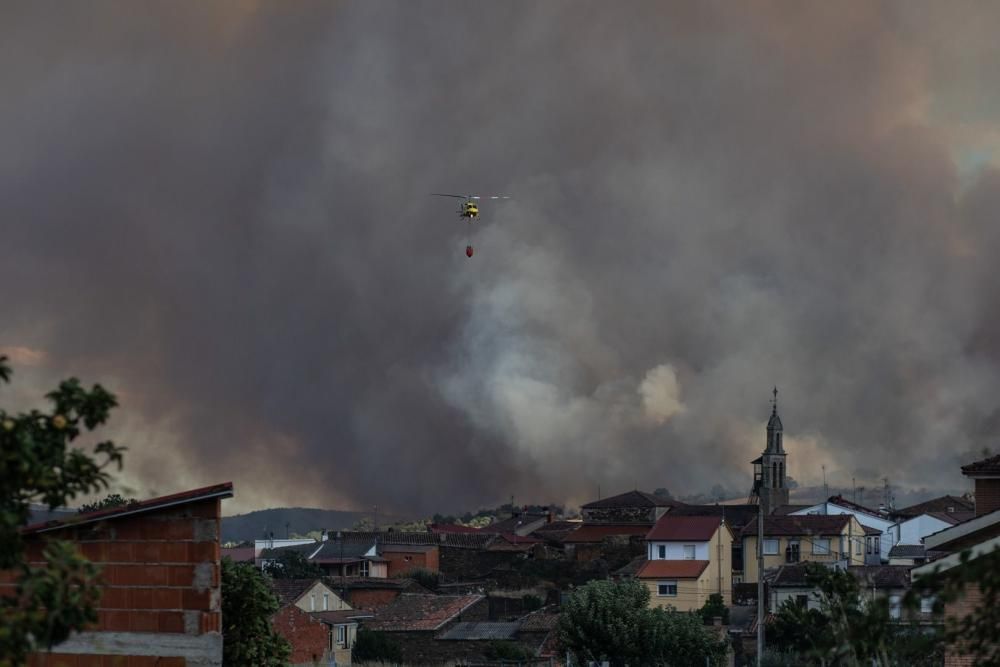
[{"x": 469, "y": 208}]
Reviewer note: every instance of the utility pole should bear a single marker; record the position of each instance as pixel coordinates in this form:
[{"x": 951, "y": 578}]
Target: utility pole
[
  {"x": 826, "y": 489},
  {"x": 760, "y": 584}
]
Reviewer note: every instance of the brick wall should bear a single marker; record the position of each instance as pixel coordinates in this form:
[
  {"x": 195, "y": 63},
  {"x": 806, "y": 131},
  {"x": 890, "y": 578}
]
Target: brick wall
[
  {"x": 310, "y": 639},
  {"x": 987, "y": 496},
  {"x": 401, "y": 562},
  {"x": 371, "y": 598},
  {"x": 161, "y": 592},
  {"x": 620, "y": 515},
  {"x": 966, "y": 604}
]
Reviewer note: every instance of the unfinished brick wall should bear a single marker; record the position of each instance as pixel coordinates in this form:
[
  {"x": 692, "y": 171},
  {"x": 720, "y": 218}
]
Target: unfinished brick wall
[
  {"x": 960, "y": 608},
  {"x": 401, "y": 562},
  {"x": 160, "y": 572},
  {"x": 371, "y": 598},
  {"x": 310, "y": 639}
]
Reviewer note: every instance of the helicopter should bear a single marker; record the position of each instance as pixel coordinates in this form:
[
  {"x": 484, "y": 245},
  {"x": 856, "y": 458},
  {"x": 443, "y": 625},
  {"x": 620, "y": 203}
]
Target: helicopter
[{"x": 469, "y": 209}]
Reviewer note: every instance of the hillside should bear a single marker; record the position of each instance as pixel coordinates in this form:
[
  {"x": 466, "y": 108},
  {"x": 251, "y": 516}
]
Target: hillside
[{"x": 300, "y": 520}]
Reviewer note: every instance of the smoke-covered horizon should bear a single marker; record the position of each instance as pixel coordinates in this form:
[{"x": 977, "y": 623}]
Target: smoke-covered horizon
[{"x": 221, "y": 212}]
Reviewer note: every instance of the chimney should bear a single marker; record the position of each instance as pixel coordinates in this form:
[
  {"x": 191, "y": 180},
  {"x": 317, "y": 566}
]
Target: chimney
[{"x": 986, "y": 476}]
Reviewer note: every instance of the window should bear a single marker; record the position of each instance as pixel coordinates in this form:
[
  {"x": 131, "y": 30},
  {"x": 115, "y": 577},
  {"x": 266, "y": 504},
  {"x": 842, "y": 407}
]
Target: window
[
  {"x": 857, "y": 547},
  {"x": 770, "y": 547},
  {"x": 341, "y": 635},
  {"x": 688, "y": 552},
  {"x": 895, "y": 607},
  {"x": 802, "y": 601},
  {"x": 792, "y": 552},
  {"x": 364, "y": 568},
  {"x": 868, "y": 545},
  {"x": 821, "y": 546},
  {"x": 312, "y": 602},
  {"x": 926, "y": 605},
  {"x": 667, "y": 589},
  {"x": 663, "y": 551},
  {"x": 877, "y": 547},
  {"x": 326, "y": 601}
]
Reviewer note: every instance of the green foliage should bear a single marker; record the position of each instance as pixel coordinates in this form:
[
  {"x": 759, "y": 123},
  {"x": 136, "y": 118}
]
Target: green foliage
[
  {"x": 975, "y": 633},
  {"x": 532, "y": 602},
  {"x": 849, "y": 629},
  {"x": 507, "y": 651},
  {"x": 39, "y": 464},
  {"x": 373, "y": 646},
  {"x": 714, "y": 607},
  {"x": 293, "y": 565},
  {"x": 610, "y": 621},
  {"x": 424, "y": 577},
  {"x": 247, "y": 607},
  {"x": 108, "y": 502}
]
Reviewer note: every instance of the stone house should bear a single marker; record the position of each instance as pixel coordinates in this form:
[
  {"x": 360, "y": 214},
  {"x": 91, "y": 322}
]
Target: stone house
[
  {"x": 628, "y": 507},
  {"x": 161, "y": 600},
  {"x": 415, "y": 621}
]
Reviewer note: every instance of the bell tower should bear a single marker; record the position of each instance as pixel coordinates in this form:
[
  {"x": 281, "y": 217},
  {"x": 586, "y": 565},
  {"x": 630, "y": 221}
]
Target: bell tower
[{"x": 770, "y": 486}]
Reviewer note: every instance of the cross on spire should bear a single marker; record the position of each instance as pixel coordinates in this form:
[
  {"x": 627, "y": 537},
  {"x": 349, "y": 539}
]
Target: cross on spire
[{"x": 774, "y": 402}]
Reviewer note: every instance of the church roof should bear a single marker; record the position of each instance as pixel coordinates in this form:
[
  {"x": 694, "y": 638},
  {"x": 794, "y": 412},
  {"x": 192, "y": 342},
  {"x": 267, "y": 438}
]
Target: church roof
[{"x": 774, "y": 423}]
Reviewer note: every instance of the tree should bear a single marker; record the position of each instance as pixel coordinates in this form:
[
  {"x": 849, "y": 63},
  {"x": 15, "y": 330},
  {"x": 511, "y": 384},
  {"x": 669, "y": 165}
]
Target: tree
[
  {"x": 39, "y": 464},
  {"x": 848, "y": 629},
  {"x": 714, "y": 607},
  {"x": 108, "y": 502},
  {"x": 293, "y": 565},
  {"x": 374, "y": 646},
  {"x": 247, "y": 607},
  {"x": 975, "y": 633},
  {"x": 610, "y": 621}
]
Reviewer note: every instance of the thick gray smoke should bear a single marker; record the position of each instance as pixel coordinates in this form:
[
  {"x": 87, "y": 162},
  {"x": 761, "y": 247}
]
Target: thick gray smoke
[{"x": 221, "y": 211}]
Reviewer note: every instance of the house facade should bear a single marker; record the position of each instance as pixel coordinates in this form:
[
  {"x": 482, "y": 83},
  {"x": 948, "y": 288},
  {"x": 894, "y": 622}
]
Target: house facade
[
  {"x": 702, "y": 540},
  {"x": 792, "y": 539},
  {"x": 878, "y": 546}
]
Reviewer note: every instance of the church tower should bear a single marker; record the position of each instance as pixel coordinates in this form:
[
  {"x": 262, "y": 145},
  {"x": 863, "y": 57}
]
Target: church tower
[{"x": 770, "y": 487}]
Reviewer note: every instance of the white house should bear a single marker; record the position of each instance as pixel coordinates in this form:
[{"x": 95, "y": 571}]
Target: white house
[
  {"x": 876, "y": 545},
  {"x": 915, "y": 529}
]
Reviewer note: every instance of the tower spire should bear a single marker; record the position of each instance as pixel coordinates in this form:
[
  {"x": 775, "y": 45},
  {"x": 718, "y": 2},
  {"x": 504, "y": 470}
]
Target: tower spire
[{"x": 774, "y": 401}]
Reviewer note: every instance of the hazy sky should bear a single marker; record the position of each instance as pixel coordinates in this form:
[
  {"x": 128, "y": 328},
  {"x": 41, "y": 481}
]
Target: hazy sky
[{"x": 221, "y": 211}]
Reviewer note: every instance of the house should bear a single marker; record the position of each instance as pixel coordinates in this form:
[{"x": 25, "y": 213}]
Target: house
[
  {"x": 161, "y": 599},
  {"x": 462, "y": 556},
  {"x": 791, "y": 539},
  {"x": 908, "y": 554},
  {"x": 403, "y": 558},
  {"x": 964, "y": 544},
  {"x": 592, "y": 541},
  {"x": 335, "y": 557},
  {"x": 415, "y": 621},
  {"x": 322, "y": 623},
  {"x": 687, "y": 559},
  {"x": 913, "y": 530},
  {"x": 790, "y": 582},
  {"x": 629, "y": 507},
  {"x": 521, "y": 523},
  {"x": 947, "y": 504},
  {"x": 878, "y": 548},
  {"x": 371, "y": 594}
]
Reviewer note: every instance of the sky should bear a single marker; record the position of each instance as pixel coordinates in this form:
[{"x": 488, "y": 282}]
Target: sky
[{"x": 221, "y": 212}]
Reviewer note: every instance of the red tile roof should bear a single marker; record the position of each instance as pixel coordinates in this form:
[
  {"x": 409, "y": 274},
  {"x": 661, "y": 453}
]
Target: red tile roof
[
  {"x": 410, "y": 612},
  {"x": 595, "y": 532},
  {"x": 675, "y": 569},
  {"x": 224, "y": 490},
  {"x": 941, "y": 504},
  {"x": 239, "y": 554},
  {"x": 694, "y": 528},
  {"x": 290, "y": 590}
]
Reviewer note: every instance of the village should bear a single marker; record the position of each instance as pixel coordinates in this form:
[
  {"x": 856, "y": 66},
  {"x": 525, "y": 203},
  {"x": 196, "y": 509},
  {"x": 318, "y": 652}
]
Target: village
[{"x": 456, "y": 594}]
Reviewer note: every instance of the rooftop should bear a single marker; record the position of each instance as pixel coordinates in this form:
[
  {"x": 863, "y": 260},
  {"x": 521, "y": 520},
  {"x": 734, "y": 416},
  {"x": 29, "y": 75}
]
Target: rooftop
[
  {"x": 341, "y": 616},
  {"x": 986, "y": 467},
  {"x": 694, "y": 528},
  {"x": 940, "y": 504},
  {"x": 736, "y": 516},
  {"x": 801, "y": 524},
  {"x": 479, "y": 630},
  {"x": 631, "y": 499},
  {"x": 224, "y": 490},
  {"x": 908, "y": 551},
  {"x": 596, "y": 532},
  {"x": 413, "y": 612},
  {"x": 675, "y": 569},
  {"x": 290, "y": 590}
]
